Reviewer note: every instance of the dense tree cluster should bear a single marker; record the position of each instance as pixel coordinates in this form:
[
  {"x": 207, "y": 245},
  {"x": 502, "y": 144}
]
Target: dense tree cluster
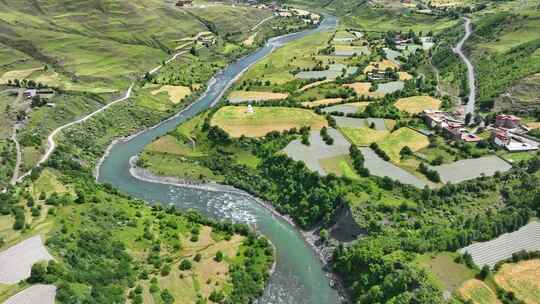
[
  {"x": 431, "y": 174},
  {"x": 358, "y": 161},
  {"x": 375, "y": 147},
  {"x": 371, "y": 265},
  {"x": 94, "y": 264}
]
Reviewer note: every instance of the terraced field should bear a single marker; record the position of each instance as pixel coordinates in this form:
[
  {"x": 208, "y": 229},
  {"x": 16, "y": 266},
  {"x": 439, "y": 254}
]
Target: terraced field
[
  {"x": 43, "y": 294},
  {"x": 17, "y": 261},
  {"x": 378, "y": 167},
  {"x": 417, "y": 104},
  {"x": 348, "y": 108}
]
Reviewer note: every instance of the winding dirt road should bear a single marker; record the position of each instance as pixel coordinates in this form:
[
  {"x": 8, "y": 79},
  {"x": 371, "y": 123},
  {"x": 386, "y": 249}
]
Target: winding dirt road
[
  {"x": 470, "y": 69},
  {"x": 51, "y": 144},
  {"x": 18, "y": 160}
]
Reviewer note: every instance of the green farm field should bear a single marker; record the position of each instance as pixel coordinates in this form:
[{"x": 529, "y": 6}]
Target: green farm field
[
  {"x": 237, "y": 122},
  {"x": 400, "y": 138},
  {"x": 381, "y": 19},
  {"x": 446, "y": 273},
  {"x": 340, "y": 166},
  {"x": 298, "y": 54},
  {"x": 364, "y": 136}
]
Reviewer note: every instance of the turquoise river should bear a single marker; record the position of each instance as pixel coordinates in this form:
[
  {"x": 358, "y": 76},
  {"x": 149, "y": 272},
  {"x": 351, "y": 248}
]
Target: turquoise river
[{"x": 298, "y": 277}]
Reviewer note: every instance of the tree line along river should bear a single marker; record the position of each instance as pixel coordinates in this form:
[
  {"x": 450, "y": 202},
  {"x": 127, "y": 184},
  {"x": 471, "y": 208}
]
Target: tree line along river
[{"x": 298, "y": 276}]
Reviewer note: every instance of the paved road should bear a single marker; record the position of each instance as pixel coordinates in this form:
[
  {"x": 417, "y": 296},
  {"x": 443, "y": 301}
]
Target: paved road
[{"x": 470, "y": 69}]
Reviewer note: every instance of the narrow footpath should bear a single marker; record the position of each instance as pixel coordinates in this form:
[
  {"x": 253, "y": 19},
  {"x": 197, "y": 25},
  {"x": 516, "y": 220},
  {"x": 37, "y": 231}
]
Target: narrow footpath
[
  {"x": 18, "y": 159},
  {"x": 469, "y": 108}
]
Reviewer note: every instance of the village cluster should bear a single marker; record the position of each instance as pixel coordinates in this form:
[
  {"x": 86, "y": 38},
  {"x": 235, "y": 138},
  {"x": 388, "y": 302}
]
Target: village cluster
[
  {"x": 277, "y": 9},
  {"x": 507, "y": 131}
]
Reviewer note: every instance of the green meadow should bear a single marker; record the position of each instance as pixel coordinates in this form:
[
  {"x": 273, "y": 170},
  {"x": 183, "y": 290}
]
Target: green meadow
[{"x": 106, "y": 41}]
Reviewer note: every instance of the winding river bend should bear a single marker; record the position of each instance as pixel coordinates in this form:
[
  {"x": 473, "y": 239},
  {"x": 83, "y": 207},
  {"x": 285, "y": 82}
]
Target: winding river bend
[{"x": 298, "y": 277}]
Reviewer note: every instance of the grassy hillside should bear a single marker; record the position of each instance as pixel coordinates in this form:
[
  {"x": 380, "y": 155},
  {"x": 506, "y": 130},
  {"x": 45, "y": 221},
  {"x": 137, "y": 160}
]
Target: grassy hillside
[
  {"x": 92, "y": 50},
  {"x": 504, "y": 49},
  {"x": 105, "y": 41}
]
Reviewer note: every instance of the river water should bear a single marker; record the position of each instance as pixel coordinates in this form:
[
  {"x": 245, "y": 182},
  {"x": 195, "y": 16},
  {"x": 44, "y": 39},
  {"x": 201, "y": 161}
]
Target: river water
[{"x": 298, "y": 277}]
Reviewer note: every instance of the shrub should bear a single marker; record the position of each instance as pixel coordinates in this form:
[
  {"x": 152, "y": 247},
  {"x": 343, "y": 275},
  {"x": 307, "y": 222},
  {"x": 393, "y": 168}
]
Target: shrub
[
  {"x": 216, "y": 296},
  {"x": 167, "y": 297},
  {"x": 185, "y": 265},
  {"x": 432, "y": 175},
  {"x": 166, "y": 270},
  {"x": 219, "y": 256},
  {"x": 37, "y": 274},
  {"x": 375, "y": 147}
]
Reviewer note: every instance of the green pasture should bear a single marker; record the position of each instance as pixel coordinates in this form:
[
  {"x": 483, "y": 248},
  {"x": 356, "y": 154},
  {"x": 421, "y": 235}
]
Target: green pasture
[{"x": 297, "y": 54}]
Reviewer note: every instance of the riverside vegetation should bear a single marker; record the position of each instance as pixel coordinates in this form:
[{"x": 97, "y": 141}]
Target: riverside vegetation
[
  {"x": 400, "y": 224},
  {"x": 436, "y": 220},
  {"x": 144, "y": 251},
  {"x": 107, "y": 244}
]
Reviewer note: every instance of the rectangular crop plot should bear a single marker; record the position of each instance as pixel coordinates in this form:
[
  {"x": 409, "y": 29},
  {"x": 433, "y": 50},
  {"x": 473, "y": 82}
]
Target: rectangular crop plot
[
  {"x": 348, "y": 108},
  {"x": 317, "y": 150},
  {"x": 390, "y": 87},
  {"x": 333, "y": 72},
  {"x": 238, "y": 121},
  {"x": 378, "y": 167},
  {"x": 490, "y": 252},
  {"x": 471, "y": 168},
  {"x": 246, "y": 96},
  {"x": 43, "y": 294}
]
